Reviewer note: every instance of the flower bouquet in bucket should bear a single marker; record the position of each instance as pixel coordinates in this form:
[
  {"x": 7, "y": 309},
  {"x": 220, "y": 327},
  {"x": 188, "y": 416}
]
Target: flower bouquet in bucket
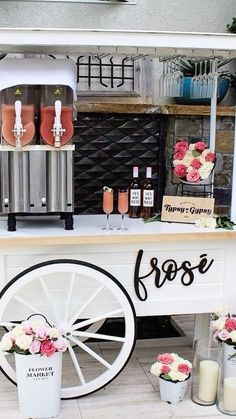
[
  {"x": 193, "y": 163},
  {"x": 223, "y": 327},
  {"x": 38, "y": 349},
  {"x": 173, "y": 373}
]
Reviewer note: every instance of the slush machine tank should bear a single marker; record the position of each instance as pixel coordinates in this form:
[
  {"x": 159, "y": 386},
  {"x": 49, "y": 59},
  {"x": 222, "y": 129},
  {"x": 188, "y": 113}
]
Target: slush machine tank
[
  {"x": 56, "y": 115},
  {"x": 36, "y": 151},
  {"x": 18, "y": 115}
]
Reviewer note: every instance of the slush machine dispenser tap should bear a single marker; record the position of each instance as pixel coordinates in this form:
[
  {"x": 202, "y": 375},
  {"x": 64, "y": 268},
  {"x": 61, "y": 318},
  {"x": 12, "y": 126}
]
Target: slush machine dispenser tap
[
  {"x": 57, "y": 126},
  {"x": 18, "y": 129}
]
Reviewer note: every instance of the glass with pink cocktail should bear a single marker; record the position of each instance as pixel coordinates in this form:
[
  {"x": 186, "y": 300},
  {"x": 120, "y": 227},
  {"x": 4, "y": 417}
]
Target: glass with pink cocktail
[
  {"x": 123, "y": 205},
  {"x": 107, "y": 205}
]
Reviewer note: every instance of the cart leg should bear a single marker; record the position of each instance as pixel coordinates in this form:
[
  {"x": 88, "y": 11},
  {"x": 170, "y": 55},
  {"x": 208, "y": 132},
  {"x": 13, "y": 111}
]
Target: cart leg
[
  {"x": 11, "y": 222},
  {"x": 68, "y": 217}
]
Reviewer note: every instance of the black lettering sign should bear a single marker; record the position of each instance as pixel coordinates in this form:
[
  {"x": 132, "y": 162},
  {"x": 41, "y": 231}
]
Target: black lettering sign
[{"x": 167, "y": 272}]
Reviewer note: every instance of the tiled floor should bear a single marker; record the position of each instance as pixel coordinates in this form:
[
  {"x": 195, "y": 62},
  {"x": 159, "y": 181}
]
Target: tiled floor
[{"x": 132, "y": 395}]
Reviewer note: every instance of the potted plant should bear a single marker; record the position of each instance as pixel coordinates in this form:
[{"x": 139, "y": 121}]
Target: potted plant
[
  {"x": 191, "y": 69},
  {"x": 193, "y": 163},
  {"x": 231, "y": 27},
  {"x": 38, "y": 348},
  {"x": 173, "y": 373}
]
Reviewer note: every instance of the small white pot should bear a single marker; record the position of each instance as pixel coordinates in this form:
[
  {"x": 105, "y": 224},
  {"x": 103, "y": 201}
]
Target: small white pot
[
  {"x": 172, "y": 392},
  {"x": 39, "y": 385}
]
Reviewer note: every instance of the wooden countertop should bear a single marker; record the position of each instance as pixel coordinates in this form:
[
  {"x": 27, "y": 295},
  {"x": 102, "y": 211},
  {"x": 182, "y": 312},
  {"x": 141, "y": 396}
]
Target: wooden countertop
[
  {"x": 42, "y": 231},
  {"x": 112, "y": 107}
]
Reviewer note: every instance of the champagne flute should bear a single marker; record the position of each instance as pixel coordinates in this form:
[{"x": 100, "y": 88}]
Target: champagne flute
[
  {"x": 107, "y": 205},
  {"x": 123, "y": 205}
]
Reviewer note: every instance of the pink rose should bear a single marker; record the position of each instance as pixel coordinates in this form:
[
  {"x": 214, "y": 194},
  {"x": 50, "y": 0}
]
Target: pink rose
[
  {"x": 27, "y": 327},
  {"x": 193, "y": 176},
  {"x": 200, "y": 146},
  {"x": 181, "y": 146},
  {"x": 184, "y": 368},
  {"x": 61, "y": 344},
  {"x": 47, "y": 348},
  {"x": 165, "y": 358},
  {"x": 230, "y": 324},
  {"x": 196, "y": 164},
  {"x": 41, "y": 333},
  {"x": 165, "y": 369},
  {"x": 35, "y": 347},
  {"x": 180, "y": 170},
  {"x": 210, "y": 157},
  {"x": 179, "y": 155}
]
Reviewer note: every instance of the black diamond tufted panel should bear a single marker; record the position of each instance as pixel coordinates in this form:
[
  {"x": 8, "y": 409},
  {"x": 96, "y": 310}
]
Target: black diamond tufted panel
[{"x": 107, "y": 147}]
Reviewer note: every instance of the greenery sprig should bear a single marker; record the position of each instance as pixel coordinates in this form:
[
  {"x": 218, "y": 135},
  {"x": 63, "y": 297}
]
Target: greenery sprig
[
  {"x": 224, "y": 222},
  {"x": 156, "y": 217}
]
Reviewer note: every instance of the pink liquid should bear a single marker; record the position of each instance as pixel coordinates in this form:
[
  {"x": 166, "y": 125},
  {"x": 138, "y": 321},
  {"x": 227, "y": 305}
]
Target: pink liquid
[
  {"x": 123, "y": 202},
  {"x": 8, "y": 121},
  {"x": 47, "y": 115},
  {"x": 107, "y": 202}
]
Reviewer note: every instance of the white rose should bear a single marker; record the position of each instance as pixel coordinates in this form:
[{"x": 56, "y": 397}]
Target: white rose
[
  {"x": 232, "y": 335},
  {"x": 177, "y": 376},
  {"x": 177, "y": 162},
  {"x": 54, "y": 333},
  {"x": 211, "y": 222},
  {"x": 221, "y": 312},
  {"x": 36, "y": 324},
  {"x": 17, "y": 331},
  {"x": 174, "y": 366},
  {"x": 200, "y": 222},
  {"x": 219, "y": 324},
  {"x": 156, "y": 369},
  {"x": 187, "y": 160},
  {"x": 174, "y": 356},
  {"x": 24, "y": 341},
  {"x": 205, "y": 170},
  {"x": 191, "y": 146},
  {"x": 5, "y": 344}
]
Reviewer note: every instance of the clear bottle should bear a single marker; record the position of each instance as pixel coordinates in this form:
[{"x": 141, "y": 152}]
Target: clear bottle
[
  {"x": 148, "y": 195},
  {"x": 135, "y": 195}
]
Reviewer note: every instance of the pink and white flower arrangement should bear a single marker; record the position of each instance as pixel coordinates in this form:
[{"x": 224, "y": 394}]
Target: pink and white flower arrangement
[
  {"x": 192, "y": 162},
  {"x": 224, "y": 328},
  {"x": 34, "y": 337},
  {"x": 171, "y": 367}
]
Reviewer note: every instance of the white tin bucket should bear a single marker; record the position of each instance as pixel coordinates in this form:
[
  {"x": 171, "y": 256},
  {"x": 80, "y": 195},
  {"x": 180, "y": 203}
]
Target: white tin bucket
[
  {"x": 39, "y": 385},
  {"x": 229, "y": 360},
  {"x": 172, "y": 392}
]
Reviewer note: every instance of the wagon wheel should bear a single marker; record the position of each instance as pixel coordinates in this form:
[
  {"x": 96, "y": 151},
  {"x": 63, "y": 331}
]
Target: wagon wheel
[{"x": 79, "y": 296}]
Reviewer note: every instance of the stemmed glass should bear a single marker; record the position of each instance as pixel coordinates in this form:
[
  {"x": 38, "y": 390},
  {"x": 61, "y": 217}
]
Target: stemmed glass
[
  {"x": 123, "y": 205},
  {"x": 107, "y": 205}
]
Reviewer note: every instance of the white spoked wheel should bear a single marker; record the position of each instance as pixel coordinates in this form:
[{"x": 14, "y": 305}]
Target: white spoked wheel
[{"x": 78, "y": 296}]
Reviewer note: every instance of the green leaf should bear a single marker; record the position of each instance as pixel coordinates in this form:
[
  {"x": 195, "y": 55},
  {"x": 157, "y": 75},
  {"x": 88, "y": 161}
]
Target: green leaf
[
  {"x": 156, "y": 217},
  {"x": 195, "y": 153}
]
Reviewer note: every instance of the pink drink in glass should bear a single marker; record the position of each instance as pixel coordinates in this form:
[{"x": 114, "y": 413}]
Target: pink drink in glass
[
  {"x": 123, "y": 205},
  {"x": 107, "y": 204}
]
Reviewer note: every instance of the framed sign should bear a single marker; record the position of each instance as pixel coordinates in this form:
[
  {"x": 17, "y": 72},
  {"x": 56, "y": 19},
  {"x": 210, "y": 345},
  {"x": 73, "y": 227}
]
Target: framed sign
[{"x": 184, "y": 209}]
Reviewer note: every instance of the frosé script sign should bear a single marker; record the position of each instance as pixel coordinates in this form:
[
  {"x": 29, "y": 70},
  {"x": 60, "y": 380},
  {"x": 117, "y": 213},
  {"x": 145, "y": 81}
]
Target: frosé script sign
[
  {"x": 161, "y": 272},
  {"x": 183, "y": 209}
]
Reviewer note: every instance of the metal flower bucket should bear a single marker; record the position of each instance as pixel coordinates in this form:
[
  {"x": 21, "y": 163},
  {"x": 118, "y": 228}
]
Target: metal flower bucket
[{"x": 39, "y": 385}]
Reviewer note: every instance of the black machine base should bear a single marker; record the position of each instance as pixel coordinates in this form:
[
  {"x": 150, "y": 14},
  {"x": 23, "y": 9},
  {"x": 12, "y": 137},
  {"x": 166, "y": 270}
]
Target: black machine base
[{"x": 66, "y": 216}]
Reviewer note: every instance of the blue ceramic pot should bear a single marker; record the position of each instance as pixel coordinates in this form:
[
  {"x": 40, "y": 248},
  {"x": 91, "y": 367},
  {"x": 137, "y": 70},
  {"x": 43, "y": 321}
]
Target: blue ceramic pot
[{"x": 187, "y": 100}]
